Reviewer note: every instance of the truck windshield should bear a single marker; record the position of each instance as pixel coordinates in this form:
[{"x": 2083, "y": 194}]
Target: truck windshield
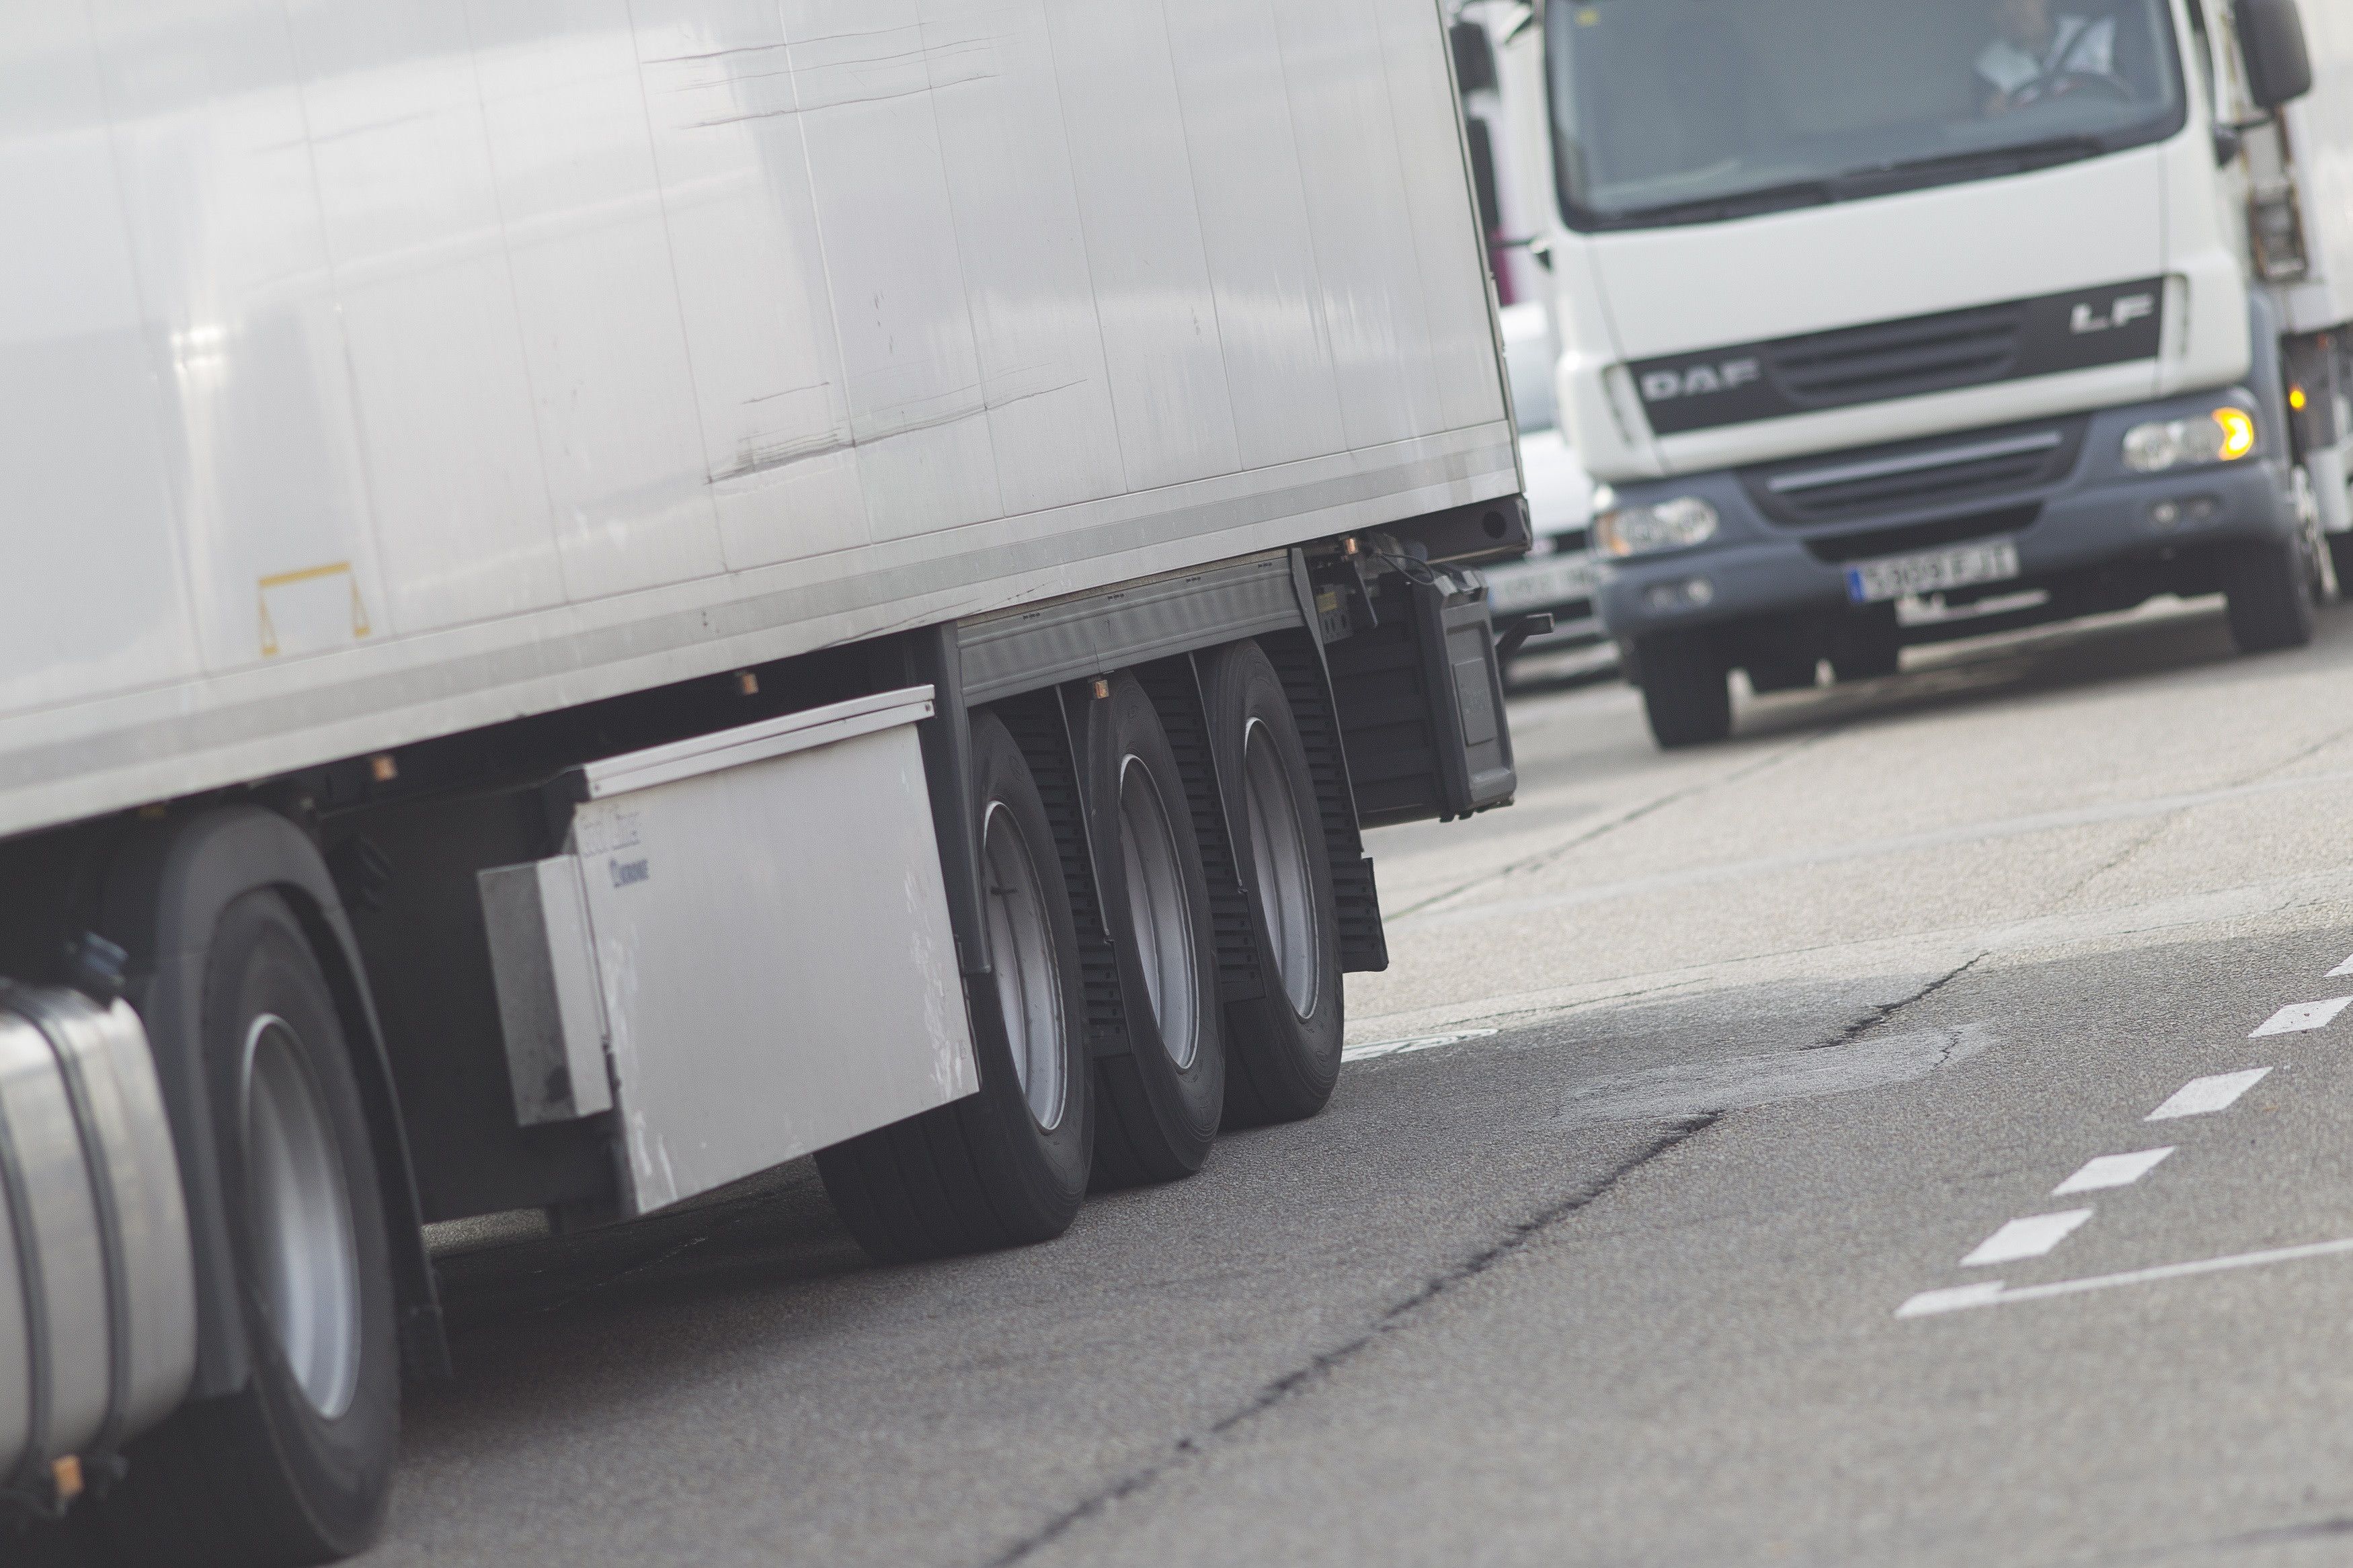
[{"x": 1670, "y": 112}]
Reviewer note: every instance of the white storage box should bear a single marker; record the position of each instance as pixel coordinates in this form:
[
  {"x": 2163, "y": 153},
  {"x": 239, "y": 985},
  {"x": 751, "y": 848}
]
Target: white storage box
[{"x": 746, "y": 952}]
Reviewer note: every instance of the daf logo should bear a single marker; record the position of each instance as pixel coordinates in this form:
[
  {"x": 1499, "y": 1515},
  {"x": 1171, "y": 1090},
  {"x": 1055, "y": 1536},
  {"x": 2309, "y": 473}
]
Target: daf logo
[
  {"x": 2127, "y": 310},
  {"x": 1699, "y": 380}
]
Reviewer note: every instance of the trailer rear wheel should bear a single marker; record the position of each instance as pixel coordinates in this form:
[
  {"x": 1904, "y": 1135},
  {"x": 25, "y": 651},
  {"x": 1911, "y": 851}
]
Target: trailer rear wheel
[
  {"x": 297, "y": 1466},
  {"x": 1010, "y": 1165},
  {"x": 1684, "y": 692},
  {"x": 2267, "y": 594},
  {"x": 1284, "y": 1045},
  {"x": 1161, "y": 1099}
]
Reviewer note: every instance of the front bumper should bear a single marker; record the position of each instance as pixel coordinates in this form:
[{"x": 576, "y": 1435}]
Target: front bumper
[{"x": 2098, "y": 513}]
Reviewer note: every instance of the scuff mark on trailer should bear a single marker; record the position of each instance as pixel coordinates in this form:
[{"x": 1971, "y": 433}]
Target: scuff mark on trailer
[
  {"x": 788, "y": 392},
  {"x": 923, "y": 92},
  {"x": 718, "y": 54},
  {"x": 754, "y": 458}
]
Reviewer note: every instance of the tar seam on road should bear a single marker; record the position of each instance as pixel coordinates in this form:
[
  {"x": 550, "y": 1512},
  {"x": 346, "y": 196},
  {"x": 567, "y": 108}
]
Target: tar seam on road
[
  {"x": 1291, "y": 1384},
  {"x": 1882, "y": 1013}
]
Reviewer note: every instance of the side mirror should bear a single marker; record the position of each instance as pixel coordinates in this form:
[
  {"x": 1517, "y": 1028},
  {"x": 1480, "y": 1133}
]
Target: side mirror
[
  {"x": 2270, "y": 39},
  {"x": 2228, "y": 145}
]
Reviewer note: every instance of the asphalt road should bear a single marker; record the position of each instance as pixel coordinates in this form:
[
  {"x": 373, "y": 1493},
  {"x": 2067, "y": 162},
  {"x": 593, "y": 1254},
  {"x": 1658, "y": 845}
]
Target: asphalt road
[{"x": 1693, "y": 1076}]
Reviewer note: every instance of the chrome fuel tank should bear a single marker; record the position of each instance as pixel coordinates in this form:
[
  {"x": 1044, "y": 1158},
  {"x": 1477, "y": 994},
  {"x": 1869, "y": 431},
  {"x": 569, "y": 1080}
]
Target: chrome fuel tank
[{"x": 98, "y": 1331}]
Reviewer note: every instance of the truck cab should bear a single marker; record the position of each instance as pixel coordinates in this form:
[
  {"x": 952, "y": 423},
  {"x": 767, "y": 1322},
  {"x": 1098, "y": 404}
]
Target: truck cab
[{"x": 1889, "y": 323}]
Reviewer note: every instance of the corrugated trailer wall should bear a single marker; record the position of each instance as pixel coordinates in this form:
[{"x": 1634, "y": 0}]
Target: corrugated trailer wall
[{"x": 376, "y": 369}]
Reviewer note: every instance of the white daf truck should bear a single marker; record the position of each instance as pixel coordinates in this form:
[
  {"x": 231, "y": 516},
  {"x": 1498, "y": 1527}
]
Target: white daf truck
[
  {"x": 1888, "y": 321},
  {"x": 598, "y": 597}
]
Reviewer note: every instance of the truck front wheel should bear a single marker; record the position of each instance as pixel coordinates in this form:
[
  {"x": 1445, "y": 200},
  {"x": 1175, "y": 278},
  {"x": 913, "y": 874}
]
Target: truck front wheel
[
  {"x": 2267, "y": 594},
  {"x": 295, "y": 1467},
  {"x": 1684, "y": 688}
]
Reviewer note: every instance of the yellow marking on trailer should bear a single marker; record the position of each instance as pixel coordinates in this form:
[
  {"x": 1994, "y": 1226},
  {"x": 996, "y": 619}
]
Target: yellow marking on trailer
[{"x": 360, "y": 625}]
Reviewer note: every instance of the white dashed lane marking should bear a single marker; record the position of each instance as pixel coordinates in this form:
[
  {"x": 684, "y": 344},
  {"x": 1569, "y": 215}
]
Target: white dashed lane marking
[
  {"x": 2026, "y": 1239},
  {"x": 2204, "y": 1096},
  {"x": 2035, "y": 1235},
  {"x": 2112, "y": 1171},
  {"x": 2301, "y": 1017},
  {"x": 1994, "y": 1293},
  {"x": 2342, "y": 969}
]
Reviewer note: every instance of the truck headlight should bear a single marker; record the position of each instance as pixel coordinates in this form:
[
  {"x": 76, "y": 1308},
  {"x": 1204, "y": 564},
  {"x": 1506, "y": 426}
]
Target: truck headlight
[
  {"x": 1676, "y": 524},
  {"x": 2224, "y": 436}
]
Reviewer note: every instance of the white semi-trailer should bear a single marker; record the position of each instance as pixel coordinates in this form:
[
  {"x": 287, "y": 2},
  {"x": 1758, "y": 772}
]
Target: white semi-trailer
[
  {"x": 598, "y": 596},
  {"x": 1891, "y": 322}
]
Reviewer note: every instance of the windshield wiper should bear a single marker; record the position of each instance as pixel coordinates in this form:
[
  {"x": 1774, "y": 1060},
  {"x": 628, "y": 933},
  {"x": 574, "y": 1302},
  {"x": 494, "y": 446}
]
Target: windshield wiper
[
  {"x": 2016, "y": 158},
  {"x": 1737, "y": 204}
]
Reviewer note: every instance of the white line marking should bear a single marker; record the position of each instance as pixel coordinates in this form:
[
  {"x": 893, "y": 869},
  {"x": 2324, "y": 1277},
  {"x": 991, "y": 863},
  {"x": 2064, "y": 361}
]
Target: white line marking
[
  {"x": 1929, "y": 1302},
  {"x": 2026, "y": 1239},
  {"x": 1994, "y": 1294},
  {"x": 2302, "y": 1017},
  {"x": 2342, "y": 969},
  {"x": 2112, "y": 1171},
  {"x": 2204, "y": 1096},
  {"x": 1402, "y": 1047}
]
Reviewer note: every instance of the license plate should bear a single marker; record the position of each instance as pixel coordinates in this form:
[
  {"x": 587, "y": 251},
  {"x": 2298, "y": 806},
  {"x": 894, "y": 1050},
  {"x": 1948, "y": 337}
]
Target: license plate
[
  {"x": 1901, "y": 577},
  {"x": 1533, "y": 584}
]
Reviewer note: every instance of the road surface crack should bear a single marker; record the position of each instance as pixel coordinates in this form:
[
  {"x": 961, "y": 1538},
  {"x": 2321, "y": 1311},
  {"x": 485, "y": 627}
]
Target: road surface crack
[
  {"x": 2115, "y": 861},
  {"x": 1398, "y": 1316},
  {"x": 1543, "y": 858},
  {"x": 1886, "y": 1012}
]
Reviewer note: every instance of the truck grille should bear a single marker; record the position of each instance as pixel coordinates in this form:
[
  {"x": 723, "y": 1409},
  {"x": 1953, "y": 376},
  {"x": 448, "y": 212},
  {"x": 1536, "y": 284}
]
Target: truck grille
[
  {"x": 1981, "y": 345},
  {"x": 1898, "y": 359},
  {"x": 1873, "y": 542},
  {"x": 1918, "y": 476}
]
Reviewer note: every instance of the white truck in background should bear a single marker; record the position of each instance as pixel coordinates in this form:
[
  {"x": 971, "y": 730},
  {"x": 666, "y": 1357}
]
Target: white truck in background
[
  {"x": 1499, "y": 64},
  {"x": 1886, "y": 322},
  {"x": 1556, "y": 578},
  {"x": 600, "y": 597}
]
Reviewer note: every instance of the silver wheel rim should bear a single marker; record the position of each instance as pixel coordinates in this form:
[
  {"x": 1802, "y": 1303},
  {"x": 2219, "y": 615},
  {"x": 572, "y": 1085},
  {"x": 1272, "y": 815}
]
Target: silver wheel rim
[
  {"x": 1029, "y": 974},
  {"x": 305, "y": 1250},
  {"x": 1159, "y": 910},
  {"x": 1286, "y": 886}
]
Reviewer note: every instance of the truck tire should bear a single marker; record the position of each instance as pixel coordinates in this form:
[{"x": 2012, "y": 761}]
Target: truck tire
[
  {"x": 1159, "y": 1102},
  {"x": 2267, "y": 595},
  {"x": 1284, "y": 1045},
  {"x": 296, "y": 1467},
  {"x": 1684, "y": 689},
  {"x": 1007, "y": 1166}
]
